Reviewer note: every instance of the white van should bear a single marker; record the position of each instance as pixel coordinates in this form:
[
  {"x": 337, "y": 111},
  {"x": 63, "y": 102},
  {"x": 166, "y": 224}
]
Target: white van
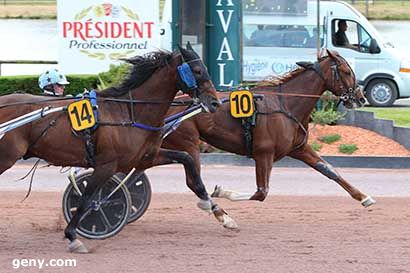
[{"x": 272, "y": 44}]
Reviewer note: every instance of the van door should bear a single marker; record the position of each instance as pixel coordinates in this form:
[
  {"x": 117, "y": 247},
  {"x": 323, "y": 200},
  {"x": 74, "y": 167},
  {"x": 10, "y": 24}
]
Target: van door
[{"x": 352, "y": 42}]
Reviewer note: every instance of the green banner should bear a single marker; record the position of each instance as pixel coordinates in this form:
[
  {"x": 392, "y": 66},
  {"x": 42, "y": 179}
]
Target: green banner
[{"x": 224, "y": 45}]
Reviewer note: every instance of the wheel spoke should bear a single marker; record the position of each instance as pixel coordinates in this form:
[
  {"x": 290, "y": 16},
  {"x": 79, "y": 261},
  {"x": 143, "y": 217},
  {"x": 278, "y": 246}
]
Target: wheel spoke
[
  {"x": 133, "y": 209},
  {"x": 140, "y": 196},
  {"x": 73, "y": 210},
  {"x": 105, "y": 219},
  {"x": 114, "y": 201}
]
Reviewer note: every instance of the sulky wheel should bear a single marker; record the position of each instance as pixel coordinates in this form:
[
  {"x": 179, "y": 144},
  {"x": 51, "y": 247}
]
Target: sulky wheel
[
  {"x": 140, "y": 189},
  {"x": 107, "y": 217}
]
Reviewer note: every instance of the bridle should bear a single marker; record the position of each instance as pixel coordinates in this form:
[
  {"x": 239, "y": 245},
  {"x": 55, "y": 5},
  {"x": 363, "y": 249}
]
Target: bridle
[
  {"x": 349, "y": 94},
  {"x": 188, "y": 81}
]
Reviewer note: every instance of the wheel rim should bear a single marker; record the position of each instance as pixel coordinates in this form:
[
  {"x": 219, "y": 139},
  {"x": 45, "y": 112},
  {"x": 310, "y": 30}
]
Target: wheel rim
[
  {"x": 381, "y": 93},
  {"x": 140, "y": 192},
  {"x": 102, "y": 221}
]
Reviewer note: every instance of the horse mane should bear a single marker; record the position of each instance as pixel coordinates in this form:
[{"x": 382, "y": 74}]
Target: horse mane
[
  {"x": 141, "y": 69},
  {"x": 278, "y": 80},
  {"x": 273, "y": 81}
]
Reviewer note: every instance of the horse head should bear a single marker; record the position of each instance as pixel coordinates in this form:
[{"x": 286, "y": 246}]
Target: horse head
[
  {"x": 194, "y": 80},
  {"x": 342, "y": 80}
]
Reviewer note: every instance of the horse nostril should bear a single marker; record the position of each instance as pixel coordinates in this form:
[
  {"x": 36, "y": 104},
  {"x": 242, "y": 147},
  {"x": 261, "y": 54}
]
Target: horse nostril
[{"x": 362, "y": 100}]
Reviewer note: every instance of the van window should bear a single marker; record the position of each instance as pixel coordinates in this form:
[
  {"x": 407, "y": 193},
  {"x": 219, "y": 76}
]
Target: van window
[
  {"x": 351, "y": 35},
  {"x": 296, "y": 36},
  {"x": 275, "y": 7}
]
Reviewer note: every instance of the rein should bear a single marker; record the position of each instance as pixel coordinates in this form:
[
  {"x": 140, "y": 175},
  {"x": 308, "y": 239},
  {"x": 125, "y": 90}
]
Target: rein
[
  {"x": 170, "y": 121},
  {"x": 73, "y": 98},
  {"x": 293, "y": 94}
]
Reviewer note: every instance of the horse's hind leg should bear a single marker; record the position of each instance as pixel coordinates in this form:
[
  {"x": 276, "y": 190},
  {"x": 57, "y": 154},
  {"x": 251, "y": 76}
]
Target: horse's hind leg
[
  {"x": 194, "y": 182},
  {"x": 263, "y": 168},
  {"x": 94, "y": 182},
  {"x": 307, "y": 155},
  {"x": 12, "y": 147}
]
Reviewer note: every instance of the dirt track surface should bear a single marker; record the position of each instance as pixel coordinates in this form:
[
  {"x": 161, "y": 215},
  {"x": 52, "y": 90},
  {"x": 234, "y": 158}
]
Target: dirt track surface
[{"x": 282, "y": 234}]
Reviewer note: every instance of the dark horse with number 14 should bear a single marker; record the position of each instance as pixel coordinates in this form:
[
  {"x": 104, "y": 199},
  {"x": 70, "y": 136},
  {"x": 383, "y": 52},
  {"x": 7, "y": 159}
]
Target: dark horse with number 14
[
  {"x": 129, "y": 133},
  {"x": 281, "y": 127}
]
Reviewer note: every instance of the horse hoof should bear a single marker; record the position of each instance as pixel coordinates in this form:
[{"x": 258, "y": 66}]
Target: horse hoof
[
  {"x": 229, "y": 223},
  {"x": 77, "y": 246},
  {"x": 225, "y": 219},
  {"x": 217, "y": 191},
  {"x": 205, "y": 205},
  {"x": 368, "y": 201}
]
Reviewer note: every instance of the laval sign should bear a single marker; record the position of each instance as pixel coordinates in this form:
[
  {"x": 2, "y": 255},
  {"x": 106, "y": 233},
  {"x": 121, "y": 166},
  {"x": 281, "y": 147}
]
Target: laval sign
[{"x": 95, "y": 34}]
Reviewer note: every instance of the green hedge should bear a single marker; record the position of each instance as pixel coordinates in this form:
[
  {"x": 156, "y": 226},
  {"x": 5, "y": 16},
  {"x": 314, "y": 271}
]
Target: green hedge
[
  {"x": 113, "y": 76},
  {"x": 29, "y": 84}
]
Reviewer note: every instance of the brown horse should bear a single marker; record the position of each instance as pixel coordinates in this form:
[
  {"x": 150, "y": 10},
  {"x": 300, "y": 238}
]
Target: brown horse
[
  {"x": 281, "y": 124},
  {"x": 128, "y": 135}
]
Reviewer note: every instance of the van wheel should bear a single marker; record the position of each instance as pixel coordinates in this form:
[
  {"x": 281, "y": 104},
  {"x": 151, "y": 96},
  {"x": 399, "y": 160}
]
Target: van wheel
[{"x": 381, "y": 93}]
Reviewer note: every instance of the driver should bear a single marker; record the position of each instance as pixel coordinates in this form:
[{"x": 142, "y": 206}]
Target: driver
[
  {"x": 340, "y": 37},
  {"x": 52, "y": 82}
]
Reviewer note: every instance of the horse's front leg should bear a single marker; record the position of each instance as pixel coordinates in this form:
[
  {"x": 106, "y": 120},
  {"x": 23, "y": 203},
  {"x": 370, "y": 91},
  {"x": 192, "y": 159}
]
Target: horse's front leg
[
  {"x": 263, "y": 168},
  {"x": 94, "y": 183},
  {"x": 307, "y": 155},
  {"x": 194, "y": 182}
]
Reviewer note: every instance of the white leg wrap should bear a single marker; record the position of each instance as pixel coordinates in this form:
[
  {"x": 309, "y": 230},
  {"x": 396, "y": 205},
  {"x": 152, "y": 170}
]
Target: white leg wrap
[
  {"x": 205, "y": 205},
  {"x": 230, "y": 195},
  {"x": 368, "y": 201}
]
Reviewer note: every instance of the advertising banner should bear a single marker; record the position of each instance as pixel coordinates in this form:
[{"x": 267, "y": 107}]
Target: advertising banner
[
  {"x": 259, "y": 67},
  {"x": 94, "y": 34},
  {"x": 224, "y": 48}
]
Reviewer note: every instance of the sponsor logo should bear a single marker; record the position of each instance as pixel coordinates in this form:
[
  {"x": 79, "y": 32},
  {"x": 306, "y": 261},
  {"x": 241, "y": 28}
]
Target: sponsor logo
[
  {"x": 107, "y": 31},
  {"x": 281, "y": 68}
]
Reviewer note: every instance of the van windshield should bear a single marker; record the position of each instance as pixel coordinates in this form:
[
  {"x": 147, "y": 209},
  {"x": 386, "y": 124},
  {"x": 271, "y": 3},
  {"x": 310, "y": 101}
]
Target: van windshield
[{"x": 293, "y": 36}]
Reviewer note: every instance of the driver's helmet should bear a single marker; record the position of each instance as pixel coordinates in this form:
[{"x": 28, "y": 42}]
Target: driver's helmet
[{"x": 52, "y": 76}]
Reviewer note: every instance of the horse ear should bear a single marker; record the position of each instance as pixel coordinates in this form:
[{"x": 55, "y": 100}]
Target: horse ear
[
  {"x": 331, "y": 54},
  {"x": 188, "y": 46},
  {"x": 322, "y": 53},
  {"x": 305, "y": 65},
  {"x": 180, "y": 48}
]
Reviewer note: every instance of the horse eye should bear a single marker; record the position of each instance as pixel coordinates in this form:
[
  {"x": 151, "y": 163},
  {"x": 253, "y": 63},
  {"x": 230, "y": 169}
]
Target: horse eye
[{"x": 197, "y": 70}]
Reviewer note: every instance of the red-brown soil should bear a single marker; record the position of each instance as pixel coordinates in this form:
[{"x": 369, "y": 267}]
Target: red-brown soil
[
  {"x": 282, "y": 234},
  {"x": 368, "y": 142}
]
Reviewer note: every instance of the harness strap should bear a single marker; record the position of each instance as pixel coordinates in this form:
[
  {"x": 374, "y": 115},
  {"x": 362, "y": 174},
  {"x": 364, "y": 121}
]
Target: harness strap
[
  {"x": 292, "y": 117},
  {"x": 33, "y": 170},
  {"x": 123, "y": 123},
  {"x": 281, "y": 105},
  {"x": 44, "y": 132},
  {"x": 146, "y": 127},
  {"x": 131, "y": 106},
  {"x": 132, "y": 124},
  {"x": 247, "y": 125},
  {"x": 89, "y": 147}
]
